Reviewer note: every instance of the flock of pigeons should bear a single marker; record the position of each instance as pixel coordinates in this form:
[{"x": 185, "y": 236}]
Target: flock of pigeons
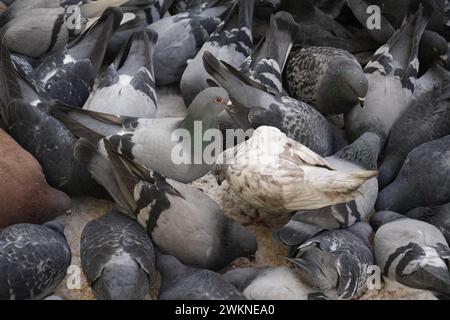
[{"x": 348, "y": 119}]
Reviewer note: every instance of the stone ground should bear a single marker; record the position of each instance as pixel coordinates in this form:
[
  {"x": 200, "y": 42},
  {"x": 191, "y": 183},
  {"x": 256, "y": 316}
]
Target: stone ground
[{"x": 270, "y": 253}]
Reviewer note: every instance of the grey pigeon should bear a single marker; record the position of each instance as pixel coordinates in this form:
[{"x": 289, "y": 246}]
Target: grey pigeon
[
  {"x": 336, "y": 259},
  {"x": 174, "y": 147},
  {"x": 33, "y": 260},
  {"x": 362, "y": 154},
  {"x": 253, "y": 106},
  {"x": 329, "y": 79},
  {"x": 392, "y": 74},
  {"x": 181, "y": 37},
  {"x": 231, "y": 43},
  {"x": 266, "y": 283},
  {"x": 68, "y": 75},
  {"x": 420, "y": 180},
  {"x": 137, "y": 16},
  {"x": 179, "y": 282},
  {"x": 128, "y": 85},
  {"x": 118, "y": 258},
  {"x": 412, "y": 253},
  {"x": 438, "y": 216},
  {"x": 267, "y": 63},
  {"x": 181, "y": 220},
  {"x": 426, "y": 120},
  {"x": 37, "y": 27}
]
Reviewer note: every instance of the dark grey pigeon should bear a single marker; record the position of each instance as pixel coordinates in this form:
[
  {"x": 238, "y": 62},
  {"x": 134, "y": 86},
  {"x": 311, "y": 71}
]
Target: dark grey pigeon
[
  {"x": 179, "y": 282},
  {"x": 362, "y": 154},
  {"x": 127, "y": 87},
  {"x": 181, "y": 220},
  {"x": 38, "y": 27},
  {"x": 392, "y": 74},
  {"x": 68, "y": 75},
  {"x": 33, "y": 260},
  {"x": 28, "y": 122},
  {"x": 266, "y": 283},
  {"x": 306, "y": 13},
  {"x": 360, "y": 9},
  {"x": 395, "y": 10},
  {"x": 336, "y": 259},
  {"x": 438, "y": 216},
  {"x": 329, "y": 79},
  {"x": 412, "y": 253},
  {"x": 137, "y": 16},
  {"x": 181, "y": 37},
  {"x": 231, "y": 42},
  {"x": 421, "y": 181},
  {"x": 253, "y": 106},
  {"x": 426, "y": 120},
  {"x": 118, "y": 258}
]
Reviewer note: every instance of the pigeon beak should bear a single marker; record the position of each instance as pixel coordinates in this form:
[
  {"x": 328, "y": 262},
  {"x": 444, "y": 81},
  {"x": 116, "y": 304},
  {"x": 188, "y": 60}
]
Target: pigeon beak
[
  {"x": 362, "y": 101},
  {"x": 444, "y": 59},
  {"x": 229, "y": 106},
  {"x": 252, "y": 258}
]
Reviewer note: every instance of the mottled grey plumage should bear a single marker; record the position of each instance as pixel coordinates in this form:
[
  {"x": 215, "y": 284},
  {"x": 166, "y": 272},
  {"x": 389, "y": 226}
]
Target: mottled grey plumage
[
  {"x": 253, "y": 107},
  {"x": 68, "y": 75},
  {"x": 37, "y": 27},
  {"x": 266, "y": 283},
  {"x": 181, "y": 220},
  {"x": 427, "y": 119},
  {"x": 336, "y": 259},
  {"x": 157, "y": 143},
  {"x": 420, "y": 180},
  {"x": 413, "y": 253},
  {"x": 231, "y": 42},
  {"x": 362, "y": 154},
  {"x": 179, "y": 282},
  {"x": 118, "y": 258},
  {"x": 128, "y": 86},
  {"x": 33, "y": 260},
  {"x": 439, "y": 216},
  {"x": 329, "y": 79},
  {"x": 392, "y": 74},
  {"x": 181, "y": 37}
]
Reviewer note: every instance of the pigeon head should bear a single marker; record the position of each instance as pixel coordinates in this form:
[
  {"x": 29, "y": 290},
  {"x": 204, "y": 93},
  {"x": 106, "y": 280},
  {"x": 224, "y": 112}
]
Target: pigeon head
[
  {"x": 206, "y": 108},
  {"x": 237, "y": 241},
  {"x": 352, "y": 84},
  {"x": 433, "y": 48},
  {"x": 382, "y": 217}
]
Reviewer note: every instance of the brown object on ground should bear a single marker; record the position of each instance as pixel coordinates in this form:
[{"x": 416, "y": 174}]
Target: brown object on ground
[{"x": 25, "y": 196}]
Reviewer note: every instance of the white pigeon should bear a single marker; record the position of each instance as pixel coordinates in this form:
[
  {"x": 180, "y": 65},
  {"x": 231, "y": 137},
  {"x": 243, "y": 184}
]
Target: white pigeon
[{"x": 275, "y": 173}]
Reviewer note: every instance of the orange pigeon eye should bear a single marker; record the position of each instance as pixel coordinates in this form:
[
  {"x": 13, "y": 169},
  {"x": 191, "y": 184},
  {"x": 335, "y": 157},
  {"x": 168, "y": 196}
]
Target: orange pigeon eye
[{"x": 219, "y": 100}]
